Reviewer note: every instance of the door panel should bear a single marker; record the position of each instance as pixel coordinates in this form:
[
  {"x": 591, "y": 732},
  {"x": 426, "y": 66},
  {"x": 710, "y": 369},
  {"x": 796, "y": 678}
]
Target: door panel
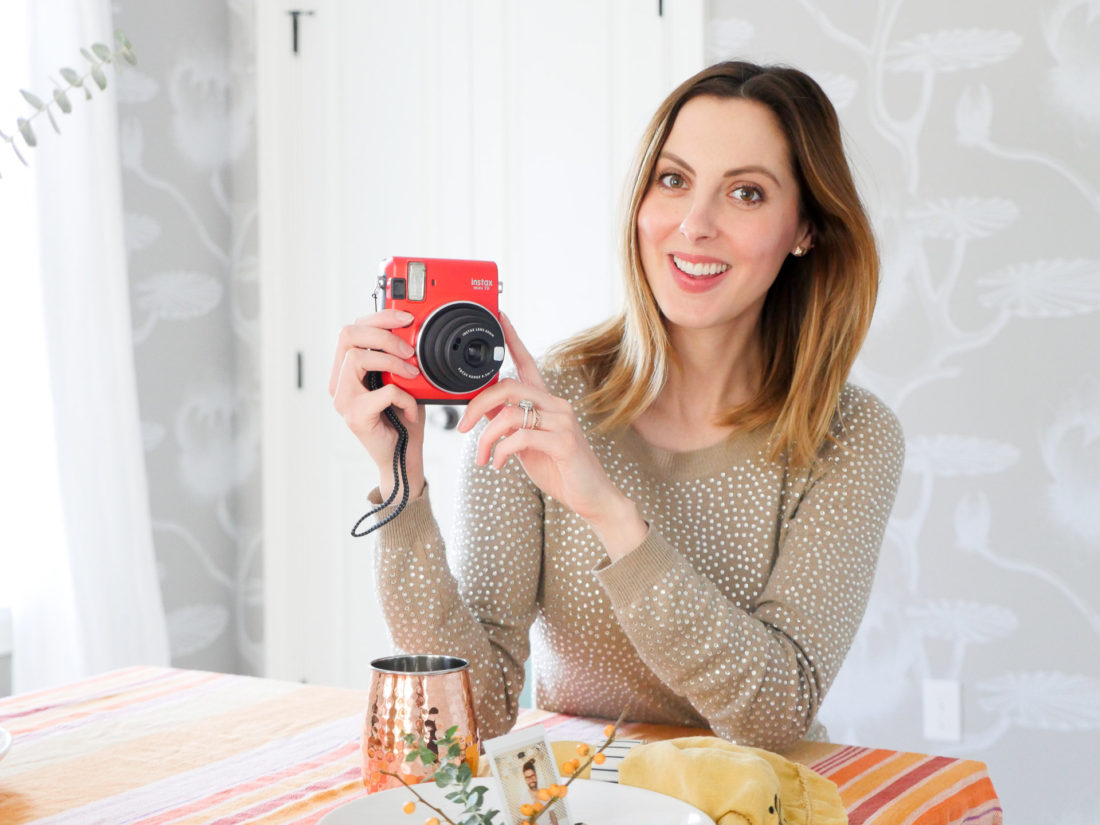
[{"x": 437, "y": 128}]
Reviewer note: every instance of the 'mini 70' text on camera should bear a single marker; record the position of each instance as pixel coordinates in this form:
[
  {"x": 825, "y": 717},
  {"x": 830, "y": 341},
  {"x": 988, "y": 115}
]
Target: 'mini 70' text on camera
[{"x": 456, "y": 332}]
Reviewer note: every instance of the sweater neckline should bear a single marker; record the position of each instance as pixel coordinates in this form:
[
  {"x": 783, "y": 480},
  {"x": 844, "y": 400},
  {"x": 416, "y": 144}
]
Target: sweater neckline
[{"x": 740, "y": 446}]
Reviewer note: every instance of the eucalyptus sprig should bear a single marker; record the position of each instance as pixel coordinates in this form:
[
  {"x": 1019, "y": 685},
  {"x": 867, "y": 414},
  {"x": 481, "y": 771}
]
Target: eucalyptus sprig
[
  {"x": 452, "y": 773},
  {"x": 455, "y": 773},
  {"x": 98, "y": 57}
]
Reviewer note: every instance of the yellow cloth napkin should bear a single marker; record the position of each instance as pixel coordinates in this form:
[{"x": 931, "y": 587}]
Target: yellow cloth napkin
[{"x": 734, "y": 785}]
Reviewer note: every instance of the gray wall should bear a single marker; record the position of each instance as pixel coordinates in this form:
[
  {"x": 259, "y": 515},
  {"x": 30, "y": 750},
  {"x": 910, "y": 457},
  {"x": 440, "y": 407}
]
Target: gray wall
[
  {"x": 975, "y": 129},
  {"x": 188, "y": 147}
]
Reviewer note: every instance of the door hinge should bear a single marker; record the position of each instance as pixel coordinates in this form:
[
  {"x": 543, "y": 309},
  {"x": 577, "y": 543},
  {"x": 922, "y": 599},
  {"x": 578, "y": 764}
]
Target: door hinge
[
  {"x": 300, "y": 370},
  {"x": 294, "y": 15}
]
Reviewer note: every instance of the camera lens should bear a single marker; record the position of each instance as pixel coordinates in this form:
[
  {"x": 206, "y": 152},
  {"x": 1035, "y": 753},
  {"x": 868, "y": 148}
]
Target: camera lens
[
  {"x": 477, "y": 352},
  {"x": 460, "y": 346}
]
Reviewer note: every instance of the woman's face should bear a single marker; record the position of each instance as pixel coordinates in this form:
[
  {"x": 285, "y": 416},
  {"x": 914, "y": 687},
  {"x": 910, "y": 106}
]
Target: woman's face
[{"x": 721, "y": 214}]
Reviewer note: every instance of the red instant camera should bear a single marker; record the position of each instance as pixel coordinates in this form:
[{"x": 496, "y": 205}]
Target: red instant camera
[{"x": 456, "y": 330}]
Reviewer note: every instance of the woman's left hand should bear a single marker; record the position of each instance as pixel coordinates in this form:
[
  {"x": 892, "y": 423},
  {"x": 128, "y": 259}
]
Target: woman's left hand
[{"x": 554, "y": 453}]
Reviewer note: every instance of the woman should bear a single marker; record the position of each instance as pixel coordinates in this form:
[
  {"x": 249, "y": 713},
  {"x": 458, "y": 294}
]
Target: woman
[{"x": 694, "y": 514}]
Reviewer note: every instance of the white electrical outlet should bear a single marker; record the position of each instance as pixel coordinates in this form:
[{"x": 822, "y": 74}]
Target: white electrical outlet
[{"x": 942, "y": 710}]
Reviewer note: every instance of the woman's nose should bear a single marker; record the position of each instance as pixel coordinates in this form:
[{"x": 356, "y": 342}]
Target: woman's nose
[{"x": 698, "y": 223}]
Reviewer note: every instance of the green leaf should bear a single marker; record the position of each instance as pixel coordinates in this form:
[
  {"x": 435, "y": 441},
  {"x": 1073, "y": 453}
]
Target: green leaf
[
  {"x": 464, "y": 772},
  {"x": 451, "y": 731},
  {"x": 122, "y": 39},
  {"x": 441, "y": 779},
  {"x": 454, "y": 751},
  {"x": 409, "y": 757},
  {"x": 427, "y": 757},
  {"x": 87, "y": 93},
  {"x": 99, "y": 77},
  {"x": 27, "y": 132},
  {"x": 129, "y": 56},
  {"x": 62, "y": 100},
  {"x": 72, "y": 77},
  {"x": 32, "y": 99},
  {"x": 101, "y": 51},
  {"x": 53, "y": 123},
  {"x": 18, "y": 154},
  {"x": 89, "y": 56}
]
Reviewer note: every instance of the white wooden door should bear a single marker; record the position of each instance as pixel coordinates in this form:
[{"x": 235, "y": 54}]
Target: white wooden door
[{"x": 496, "y": 129}]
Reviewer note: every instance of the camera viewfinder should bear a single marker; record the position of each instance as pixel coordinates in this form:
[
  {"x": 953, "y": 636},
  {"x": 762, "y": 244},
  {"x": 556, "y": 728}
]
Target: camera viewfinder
[
  {"x": 397, "y": 289},
  {"x": 417, "y": 272}
]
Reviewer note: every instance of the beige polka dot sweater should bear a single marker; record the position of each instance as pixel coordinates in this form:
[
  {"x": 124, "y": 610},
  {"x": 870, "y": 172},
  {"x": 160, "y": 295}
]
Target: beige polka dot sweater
[{"x": 734, "y": 613}]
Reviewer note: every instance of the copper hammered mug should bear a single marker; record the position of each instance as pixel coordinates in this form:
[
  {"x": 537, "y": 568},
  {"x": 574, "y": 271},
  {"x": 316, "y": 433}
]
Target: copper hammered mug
[{"x": 420, "y": 694}]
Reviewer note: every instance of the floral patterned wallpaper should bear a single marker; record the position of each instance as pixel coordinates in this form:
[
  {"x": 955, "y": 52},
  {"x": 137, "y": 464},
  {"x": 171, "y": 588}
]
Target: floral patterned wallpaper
[
  {"x": 974, "y": 129},
  {"x": 187, "y": 115},
  {"x": 975, "y": 132}
]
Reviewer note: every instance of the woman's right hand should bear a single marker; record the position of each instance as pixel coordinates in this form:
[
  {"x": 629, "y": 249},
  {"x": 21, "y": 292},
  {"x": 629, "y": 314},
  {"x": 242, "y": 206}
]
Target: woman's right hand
[{"x": 369, "y": 345}]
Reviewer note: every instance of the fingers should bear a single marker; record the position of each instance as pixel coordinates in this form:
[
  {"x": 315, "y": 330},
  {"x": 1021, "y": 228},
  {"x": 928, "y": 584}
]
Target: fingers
[
  {"x": 507, "y": 392},
  {"x": 526, "y": 367},
  {"x": 507, "y": 421},
  {"x": 349, "y": 390},
  {"x": 542, "y": 441},
  {"x": 371, "y": 333}
]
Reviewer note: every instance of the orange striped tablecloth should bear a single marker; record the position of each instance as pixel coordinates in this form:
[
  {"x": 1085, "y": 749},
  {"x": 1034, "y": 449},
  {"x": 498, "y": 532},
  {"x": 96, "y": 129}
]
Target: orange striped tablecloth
[{"x": 157, "y": 746}]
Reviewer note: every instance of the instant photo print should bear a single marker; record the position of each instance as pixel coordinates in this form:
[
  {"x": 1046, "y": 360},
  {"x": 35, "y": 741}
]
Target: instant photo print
[{"x": 522, "y": 762}]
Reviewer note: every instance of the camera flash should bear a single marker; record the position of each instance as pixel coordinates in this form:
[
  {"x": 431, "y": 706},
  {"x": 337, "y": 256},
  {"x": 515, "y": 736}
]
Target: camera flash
[{"x": 416, "y": 273}]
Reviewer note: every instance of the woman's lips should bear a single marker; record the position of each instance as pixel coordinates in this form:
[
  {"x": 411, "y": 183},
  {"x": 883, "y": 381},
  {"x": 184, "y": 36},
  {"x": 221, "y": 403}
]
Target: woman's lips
[{"x": 696, "y": 274}]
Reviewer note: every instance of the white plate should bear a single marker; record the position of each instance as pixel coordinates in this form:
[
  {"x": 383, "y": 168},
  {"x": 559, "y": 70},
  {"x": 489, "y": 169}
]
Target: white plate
[
  {"x": 5, "y": 742},
  {"x": 593, "y": 803}
]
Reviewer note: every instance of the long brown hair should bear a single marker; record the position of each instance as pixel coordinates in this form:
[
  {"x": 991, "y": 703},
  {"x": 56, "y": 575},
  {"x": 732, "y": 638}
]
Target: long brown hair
[{"x": 815, "y": 315}]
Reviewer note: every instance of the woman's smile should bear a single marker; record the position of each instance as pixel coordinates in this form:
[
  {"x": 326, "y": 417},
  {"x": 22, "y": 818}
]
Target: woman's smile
[{"x": 696, "y": 273}]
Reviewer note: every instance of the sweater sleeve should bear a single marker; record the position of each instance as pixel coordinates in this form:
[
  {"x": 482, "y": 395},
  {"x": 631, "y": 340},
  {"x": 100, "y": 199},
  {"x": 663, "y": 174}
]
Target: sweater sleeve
[
  {"x": 480, "y": 605},
  {"x": 758, "y": 676}
]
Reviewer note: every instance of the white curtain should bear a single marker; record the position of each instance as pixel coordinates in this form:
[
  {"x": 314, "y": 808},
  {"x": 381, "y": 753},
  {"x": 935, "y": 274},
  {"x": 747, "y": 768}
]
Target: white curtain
[{"x": 78, "y": 570}]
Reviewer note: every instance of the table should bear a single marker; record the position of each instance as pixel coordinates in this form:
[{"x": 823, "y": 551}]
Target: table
[{"x": 160, "y": 746}]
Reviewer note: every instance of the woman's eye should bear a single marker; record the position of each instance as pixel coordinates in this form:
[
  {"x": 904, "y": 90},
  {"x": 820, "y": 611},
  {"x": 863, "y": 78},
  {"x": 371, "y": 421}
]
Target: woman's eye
[
  {"x": 672, "y": 180},
  {"x": 747, "y": 194}
]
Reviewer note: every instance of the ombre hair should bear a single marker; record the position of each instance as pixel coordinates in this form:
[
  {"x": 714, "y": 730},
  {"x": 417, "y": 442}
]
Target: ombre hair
[{"x": 816, "y": 313}]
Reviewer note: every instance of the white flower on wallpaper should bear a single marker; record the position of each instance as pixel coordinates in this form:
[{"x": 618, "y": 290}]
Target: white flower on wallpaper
[
  {"x": 1073, "y": 38},
  {"x": 1042, "y": 700},
  {"x": 963, "y": 218},
  {"x": 141, "y": 231},
  {"x": 950, "y": 50},
  {"x": 886, "y": 646},
  {"x": 134, "y": 86},
  {"x": 840, "y": 88},
  {"x": 963, "y": 621},
  {"x": 174, "y": 296},
  {"x": 1055, "y": 288},
  {"x": 973, "y": 516},
  {"x": 195, "y": 627},
  {"x": 974, "y": 115},
  {"x": 131, "y": 143},
  {"x": 958, "y": 455},
  {"x": 1070, "y": 448},
  {"x": 152, "y": 435},
  {"x": 210, "y": 127},
  {"x": 727, "y": 39},
  {"x": 218, "y": 438}
]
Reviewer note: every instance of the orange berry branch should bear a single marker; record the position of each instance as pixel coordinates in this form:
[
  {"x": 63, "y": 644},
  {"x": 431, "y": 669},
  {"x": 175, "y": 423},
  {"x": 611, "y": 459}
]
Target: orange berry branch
[{"x": 574, "y": 768}]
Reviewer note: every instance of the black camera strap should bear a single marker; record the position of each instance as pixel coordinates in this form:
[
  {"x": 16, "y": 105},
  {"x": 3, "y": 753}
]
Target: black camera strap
[{"x": 400, "y": 472}]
